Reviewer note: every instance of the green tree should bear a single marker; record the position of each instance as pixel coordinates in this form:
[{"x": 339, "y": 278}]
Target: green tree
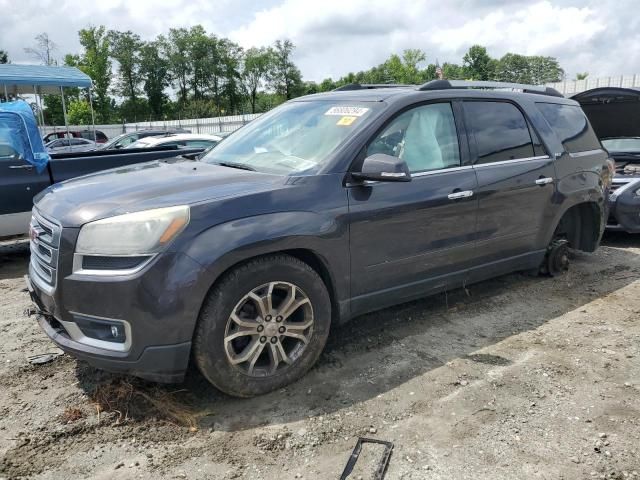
[
  {"x": 4, "y": 57},
  {"x": 544, "y": 70},
  {"x": 477, "y": 64},
  {"x": 582, "y": 76},
  {"x": 284, "y": 76},
  {"x": 230, "y": 66},
  {"x": 452, "y": 71},
  {"x": 43, "y": 49},
  {"x": 154, "y": 71},
  {"x": 532, "y": 70},
  {"x": 79, "y": 112},
  {"x": 513, "y": 68},
  {"x": 125, "y": 49},
  {"x": 411, "y": 58},
  {"x": 254, "y": 72},
  {"x": 177, "y": 51},
  {"x": 94, "y": 61},
  {"x": 327, "y": 85}
]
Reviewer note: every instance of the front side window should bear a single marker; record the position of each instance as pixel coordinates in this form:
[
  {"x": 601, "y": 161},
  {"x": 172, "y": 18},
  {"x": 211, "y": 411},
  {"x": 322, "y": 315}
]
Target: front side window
[
  {"x": 500, "y": 131},
  {"x": 295, "y": 138},
  {"x": 571, "y": 125},
  {"x": 424, "y": 137}
]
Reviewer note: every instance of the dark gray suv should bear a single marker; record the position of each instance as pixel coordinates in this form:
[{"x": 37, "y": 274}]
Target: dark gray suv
[{"x": 325, "y": 208}]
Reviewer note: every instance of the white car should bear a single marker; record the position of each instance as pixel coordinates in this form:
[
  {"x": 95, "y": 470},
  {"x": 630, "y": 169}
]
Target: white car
[
  {"x": 62, "y": 145},
  {"x": 180, "y": 140}
]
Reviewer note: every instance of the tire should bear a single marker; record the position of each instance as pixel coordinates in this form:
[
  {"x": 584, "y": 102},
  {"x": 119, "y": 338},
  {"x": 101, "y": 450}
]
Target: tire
[{"x": 243, "y": 292}]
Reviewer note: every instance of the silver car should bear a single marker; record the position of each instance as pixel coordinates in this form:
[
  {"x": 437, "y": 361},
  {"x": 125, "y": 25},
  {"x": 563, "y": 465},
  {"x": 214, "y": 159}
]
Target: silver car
[{"x": 62, "y": 145}]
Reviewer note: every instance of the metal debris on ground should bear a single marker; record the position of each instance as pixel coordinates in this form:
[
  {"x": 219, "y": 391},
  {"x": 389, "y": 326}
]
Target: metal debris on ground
[
  {"x": 43, "y": 358},
  {"x": 382, "y": 465}
]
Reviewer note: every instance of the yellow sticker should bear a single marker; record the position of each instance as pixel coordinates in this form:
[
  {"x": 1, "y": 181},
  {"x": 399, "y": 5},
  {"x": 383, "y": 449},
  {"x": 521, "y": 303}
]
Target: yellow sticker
[{"x": 346, "y": 120}]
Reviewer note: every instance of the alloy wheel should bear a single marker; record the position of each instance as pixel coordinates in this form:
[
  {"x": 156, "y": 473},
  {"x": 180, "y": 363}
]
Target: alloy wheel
[{"x": 268, "y": 329}]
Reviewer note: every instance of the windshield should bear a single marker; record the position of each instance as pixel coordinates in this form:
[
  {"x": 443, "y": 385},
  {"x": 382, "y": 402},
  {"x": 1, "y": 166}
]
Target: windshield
[
  {"x": 113, "y": 141},
  {"x": 625, "y": 145},
  {"x": 293, "y": 138}
]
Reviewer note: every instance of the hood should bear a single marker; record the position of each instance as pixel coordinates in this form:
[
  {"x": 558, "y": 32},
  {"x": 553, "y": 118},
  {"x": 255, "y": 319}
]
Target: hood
[
  {"x": 145, "y": 186},
  {"x": 612, "y": 112}
]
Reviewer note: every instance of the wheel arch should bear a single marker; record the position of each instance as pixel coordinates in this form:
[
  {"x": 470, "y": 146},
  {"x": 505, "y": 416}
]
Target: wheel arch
[
  {"x": 582, "y": 225},
  {"x": 308, "y": 256}
]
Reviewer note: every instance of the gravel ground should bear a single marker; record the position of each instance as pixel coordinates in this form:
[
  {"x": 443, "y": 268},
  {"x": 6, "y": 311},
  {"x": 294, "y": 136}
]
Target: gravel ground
[{"x": 517, "y": 377}]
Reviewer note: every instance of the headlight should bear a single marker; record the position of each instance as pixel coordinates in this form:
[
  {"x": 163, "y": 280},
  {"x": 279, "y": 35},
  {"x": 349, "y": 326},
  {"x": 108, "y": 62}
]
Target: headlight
[
  {"x": 138, "y": 233},
  {"x": 637, "y": 192}
]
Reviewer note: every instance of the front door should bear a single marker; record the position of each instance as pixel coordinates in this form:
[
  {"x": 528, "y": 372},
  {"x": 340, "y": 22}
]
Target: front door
[
  {"x": 19, "y": 182},
  {"x": 408, "y": 239}
]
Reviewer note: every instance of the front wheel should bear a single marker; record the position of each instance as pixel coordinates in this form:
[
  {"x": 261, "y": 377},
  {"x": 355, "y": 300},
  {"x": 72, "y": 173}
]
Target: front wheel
[{"x": 263, "y": 326}]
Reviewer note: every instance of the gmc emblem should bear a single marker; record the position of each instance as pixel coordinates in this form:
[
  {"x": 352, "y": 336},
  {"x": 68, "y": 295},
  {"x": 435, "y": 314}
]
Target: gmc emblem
[{"x": 34, "y": 233}]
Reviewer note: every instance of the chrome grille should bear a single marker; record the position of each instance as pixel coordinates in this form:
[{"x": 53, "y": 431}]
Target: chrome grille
[{"x": 45, "y": 244}]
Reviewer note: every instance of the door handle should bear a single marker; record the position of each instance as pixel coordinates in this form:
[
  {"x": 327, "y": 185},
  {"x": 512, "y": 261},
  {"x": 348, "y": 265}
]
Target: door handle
[
  {"x": 21, "y": 167},
  {"x": 459, "y": 195},
  {"x": 544, "y": 180}
]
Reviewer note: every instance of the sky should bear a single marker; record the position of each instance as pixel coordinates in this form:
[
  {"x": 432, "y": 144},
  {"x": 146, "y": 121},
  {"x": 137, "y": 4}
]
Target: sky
[{"x": 335, "y": 37}]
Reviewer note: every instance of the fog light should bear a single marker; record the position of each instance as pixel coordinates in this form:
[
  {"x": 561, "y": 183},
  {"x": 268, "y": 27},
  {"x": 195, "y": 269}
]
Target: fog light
[{"x": 101, "y": 328}]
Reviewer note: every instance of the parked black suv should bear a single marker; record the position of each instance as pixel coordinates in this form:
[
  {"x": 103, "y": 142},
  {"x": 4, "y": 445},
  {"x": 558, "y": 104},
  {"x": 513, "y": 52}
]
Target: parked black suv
[{"x": 325, "y": 208}]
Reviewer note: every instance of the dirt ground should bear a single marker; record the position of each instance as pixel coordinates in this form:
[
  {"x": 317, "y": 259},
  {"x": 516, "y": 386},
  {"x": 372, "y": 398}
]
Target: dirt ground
[{"x": 518, "y": 377}]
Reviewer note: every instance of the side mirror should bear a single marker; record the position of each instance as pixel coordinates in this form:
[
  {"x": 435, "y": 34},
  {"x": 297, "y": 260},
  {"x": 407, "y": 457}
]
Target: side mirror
[{"x": 383, "y": 168}]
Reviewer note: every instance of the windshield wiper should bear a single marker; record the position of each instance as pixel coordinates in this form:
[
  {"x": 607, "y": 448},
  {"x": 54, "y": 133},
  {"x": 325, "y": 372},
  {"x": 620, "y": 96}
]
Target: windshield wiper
[{"x": 240, "y": 166}]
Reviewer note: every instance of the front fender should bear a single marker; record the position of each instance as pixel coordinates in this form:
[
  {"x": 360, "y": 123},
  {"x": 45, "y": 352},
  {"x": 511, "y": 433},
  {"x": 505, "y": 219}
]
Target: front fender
[{"x": 222, "y": 246}]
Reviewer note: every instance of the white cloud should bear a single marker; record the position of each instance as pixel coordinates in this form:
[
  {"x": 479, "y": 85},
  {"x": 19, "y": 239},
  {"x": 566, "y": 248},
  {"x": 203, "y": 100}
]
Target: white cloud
[{"x": 335, "y": 37}]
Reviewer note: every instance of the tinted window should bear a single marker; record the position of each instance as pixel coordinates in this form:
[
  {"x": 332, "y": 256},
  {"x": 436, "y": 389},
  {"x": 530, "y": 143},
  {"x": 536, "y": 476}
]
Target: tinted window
[
  {"x": 500, "y": 131},
  {"x": 571, "y": 126},
  {"x": 425, "y": 137}
]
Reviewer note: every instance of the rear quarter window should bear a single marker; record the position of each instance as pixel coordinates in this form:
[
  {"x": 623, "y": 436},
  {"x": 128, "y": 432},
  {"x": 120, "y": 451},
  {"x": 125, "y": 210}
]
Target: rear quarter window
[{"x": 571, "y": 126}]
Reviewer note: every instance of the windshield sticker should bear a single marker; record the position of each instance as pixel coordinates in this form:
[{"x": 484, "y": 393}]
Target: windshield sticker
[
  {"x": 347, "y": 110},
  {"x": 345, "y": 121}
]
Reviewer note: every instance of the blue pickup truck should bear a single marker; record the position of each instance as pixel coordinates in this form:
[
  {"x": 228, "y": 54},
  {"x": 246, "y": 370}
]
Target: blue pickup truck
[{"x": 26, "y": 169}]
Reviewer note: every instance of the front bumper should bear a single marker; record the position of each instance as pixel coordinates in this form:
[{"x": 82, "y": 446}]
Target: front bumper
[
  {"x": 159, "y": 306},
  {"x": 164, "y": 363},
  {"x": 624, "y": 206}
]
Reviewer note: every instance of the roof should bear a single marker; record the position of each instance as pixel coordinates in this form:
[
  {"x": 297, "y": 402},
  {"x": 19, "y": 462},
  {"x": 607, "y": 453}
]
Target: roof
[
  {"x": 47, "y": 79},
  {"x": 411, "y": 92},
  {"x": 435, "y": 89}
]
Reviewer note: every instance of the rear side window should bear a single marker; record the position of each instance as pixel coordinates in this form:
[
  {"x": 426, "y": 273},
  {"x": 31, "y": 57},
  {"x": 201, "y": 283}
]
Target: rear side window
[
  {"x": 500, "y": 131},
  {"x": 571, "y": 126}
]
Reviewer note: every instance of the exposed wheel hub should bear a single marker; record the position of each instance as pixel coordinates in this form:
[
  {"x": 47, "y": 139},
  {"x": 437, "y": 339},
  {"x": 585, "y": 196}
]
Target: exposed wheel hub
[{"x": 557, "y": 259}]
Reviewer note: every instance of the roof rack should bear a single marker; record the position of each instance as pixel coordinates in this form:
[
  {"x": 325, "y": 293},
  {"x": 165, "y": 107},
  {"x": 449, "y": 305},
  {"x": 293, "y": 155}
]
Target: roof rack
[
  {"x": 368, "y": 86},
  {"x": 460, "y": 84}
]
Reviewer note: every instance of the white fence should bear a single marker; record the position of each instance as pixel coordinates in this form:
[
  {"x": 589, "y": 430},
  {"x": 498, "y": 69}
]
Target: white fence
[
  {"x": 197, "y": 125},
  {"x": 571, "y": 87}
]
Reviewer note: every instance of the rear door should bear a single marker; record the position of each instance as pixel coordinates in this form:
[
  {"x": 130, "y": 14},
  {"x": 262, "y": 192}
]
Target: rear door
[
  {"x": 410, "y": 238},
  {"x": 516, "y": 181}
]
